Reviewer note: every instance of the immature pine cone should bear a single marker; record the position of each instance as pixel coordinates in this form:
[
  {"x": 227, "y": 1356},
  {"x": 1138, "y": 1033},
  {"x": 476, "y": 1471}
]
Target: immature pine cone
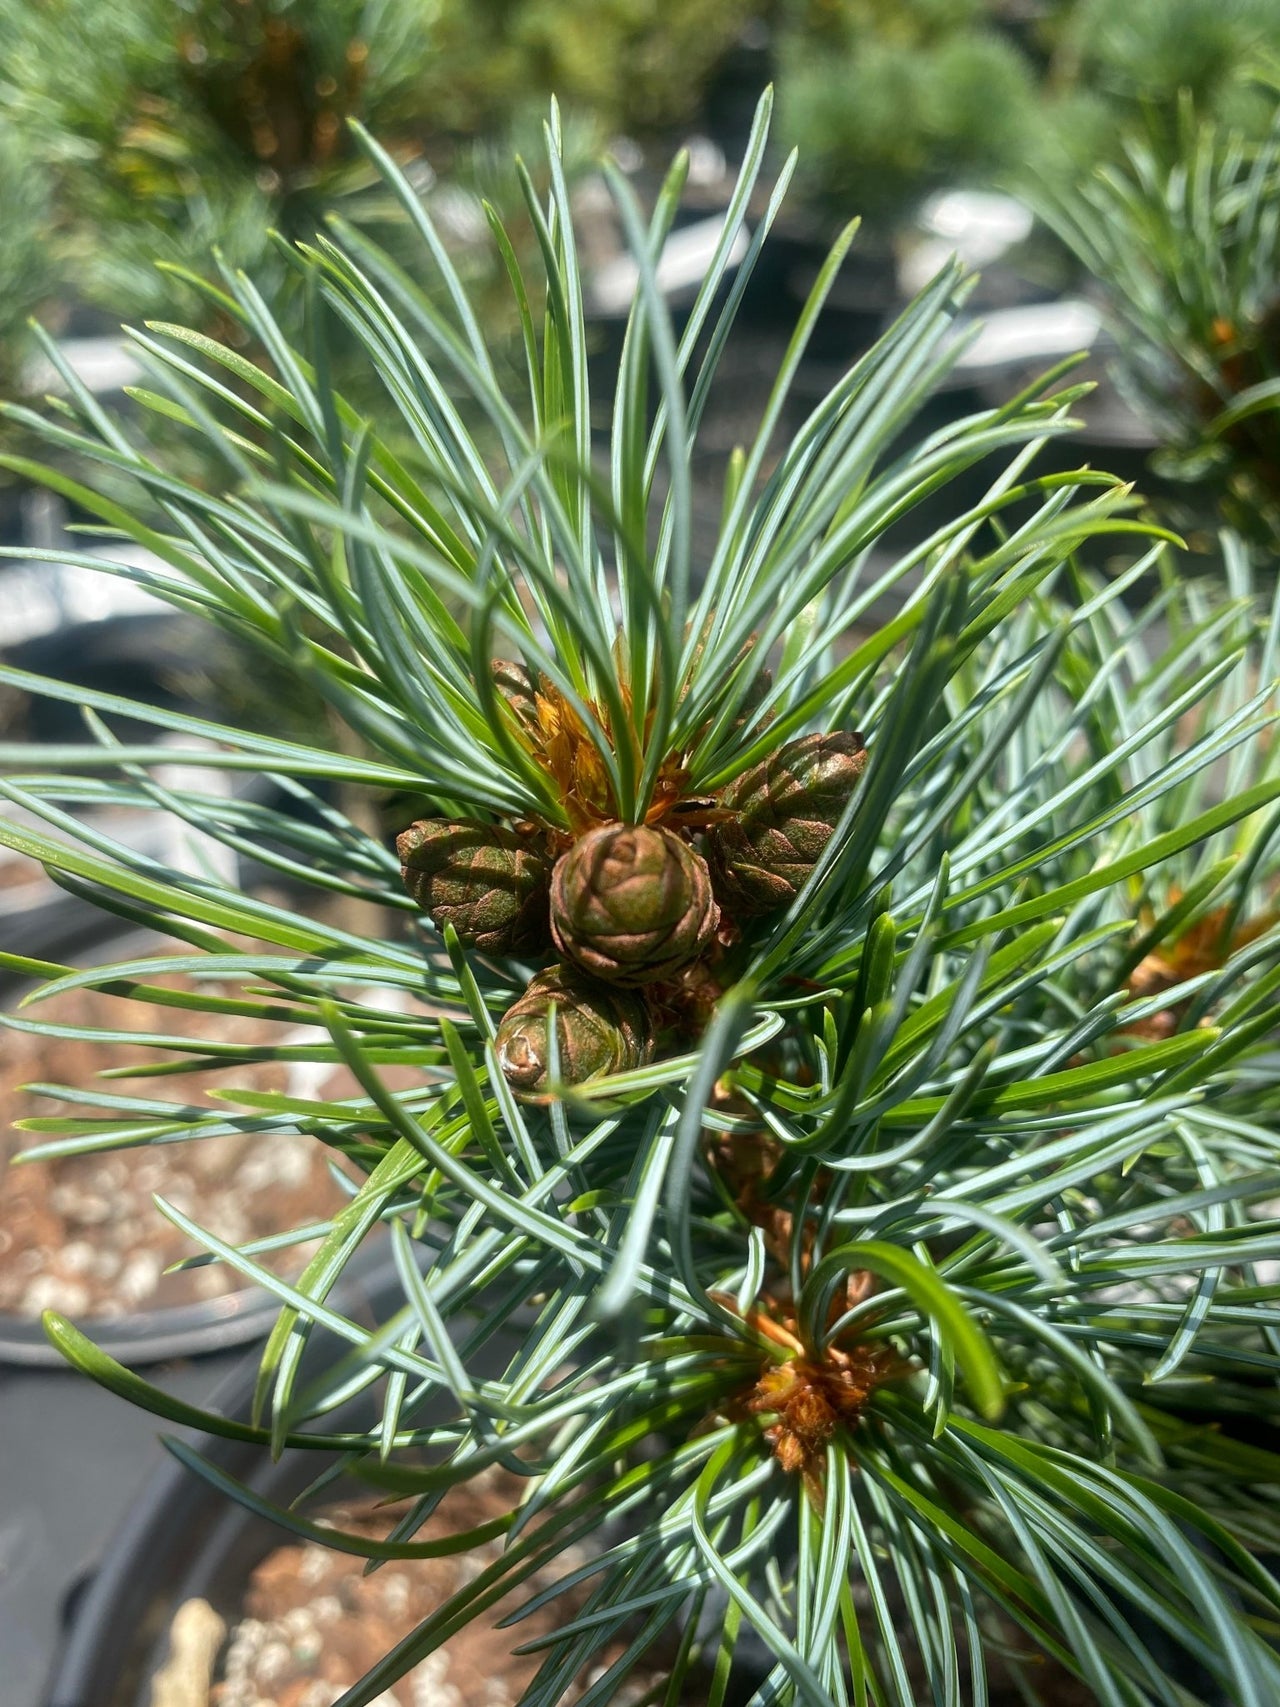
[
  {"x": 632, "y": 905},
  {"x": 598, "y": 1030},
  {"x": 786, "y": 809},
  {"x": 486, "y": 882},
  {"x": 516, "y": 684}
]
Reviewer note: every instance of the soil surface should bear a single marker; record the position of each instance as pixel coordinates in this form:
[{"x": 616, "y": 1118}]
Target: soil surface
[
  {"x": 313, "y": 1624},
  {"x": 82, "y": 1234}
]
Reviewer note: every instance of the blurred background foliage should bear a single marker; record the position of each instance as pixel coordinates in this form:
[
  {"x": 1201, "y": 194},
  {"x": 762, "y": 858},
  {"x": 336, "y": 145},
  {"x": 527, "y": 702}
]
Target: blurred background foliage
[
  {"x": 157, "y": 128},
  {"x": 137, "y": 132},
  {"x": 167, "y": 129},
  {"x": 888, "y": 101},
  {"x": 27, "y": 268},
  {"x": 1185, "y": 246}
]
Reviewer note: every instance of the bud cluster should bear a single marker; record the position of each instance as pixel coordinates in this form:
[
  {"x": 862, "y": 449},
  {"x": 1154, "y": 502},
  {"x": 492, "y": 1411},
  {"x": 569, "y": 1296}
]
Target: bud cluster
[{"x": 636, "y": 913}]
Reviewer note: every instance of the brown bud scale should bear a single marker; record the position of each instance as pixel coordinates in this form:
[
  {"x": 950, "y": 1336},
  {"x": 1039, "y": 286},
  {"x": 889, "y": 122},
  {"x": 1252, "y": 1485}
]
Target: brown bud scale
[{"x": 518, "y": 687}]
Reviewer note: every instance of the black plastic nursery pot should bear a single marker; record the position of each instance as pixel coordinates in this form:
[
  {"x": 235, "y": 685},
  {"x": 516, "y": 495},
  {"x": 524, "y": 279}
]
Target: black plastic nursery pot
[
  {"x": 179, "y": 1540},
  {"x": 153, "y": 1336},
  {"x": 183, "y": 1540}
]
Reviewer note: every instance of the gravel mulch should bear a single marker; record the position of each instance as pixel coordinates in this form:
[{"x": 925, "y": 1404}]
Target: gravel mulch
[
  {"x": 82, "y": 1234},
  {"x": 313, "y": 1623}
]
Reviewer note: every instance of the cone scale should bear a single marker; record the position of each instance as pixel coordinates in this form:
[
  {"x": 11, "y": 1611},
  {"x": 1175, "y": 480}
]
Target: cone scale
[
  {"x": 784, "y": 811},
  {"x": 598, "y": 1029},
  {"x": 632, "y": 905},
  {"x": 487, "y": 882}
]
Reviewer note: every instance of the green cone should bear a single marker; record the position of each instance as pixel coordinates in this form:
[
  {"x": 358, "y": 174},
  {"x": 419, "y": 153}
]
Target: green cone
[
  {"x": 787, "y": 807},
  {"x": 632, "y": 904},
  {"x": 486, "y": 882},
  {"x": 598, "y": 1030}
]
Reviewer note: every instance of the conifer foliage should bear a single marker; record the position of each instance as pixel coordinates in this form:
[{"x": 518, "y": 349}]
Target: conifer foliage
[{"x": 840, "y": 1048}]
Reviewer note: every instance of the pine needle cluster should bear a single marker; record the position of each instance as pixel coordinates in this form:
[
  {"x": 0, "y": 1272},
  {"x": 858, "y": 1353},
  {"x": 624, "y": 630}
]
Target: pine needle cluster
[
  {"x": 902, "y": 1315},
  {"x": 1185, "y": 241}
]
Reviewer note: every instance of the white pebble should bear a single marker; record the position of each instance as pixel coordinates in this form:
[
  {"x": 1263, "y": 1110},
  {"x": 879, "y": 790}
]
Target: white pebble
[
  {"x": 273, "y": 1661},
  {"x": 181, "y": 1192},
  {"x": 308, "y": 1649},
  {"x": 140, "y": 1278},
  {"x": 297, "y": 1621},
  {"x": 232, "y": 1226},
  {"x": 429, "y": 1686},
  {"x": 110, "y": 1175},
  {"x": 395, "y": 1593},
  {"x": 313, "y": 1564},
  {"x": 326, "y": 1608},
  {"x": 282, "y": 1162},
  {"x": 207, "y": 1282},
  {"x": 51, "y": 1292},
  {"x": 77, "y": 1204},
  {"x": 321, "y": 1694},
  {"x": 243, "y": 1647}
]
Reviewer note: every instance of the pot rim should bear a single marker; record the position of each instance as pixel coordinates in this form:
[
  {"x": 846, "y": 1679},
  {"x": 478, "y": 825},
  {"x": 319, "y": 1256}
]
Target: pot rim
[{"x": 150, "y": 1336}]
